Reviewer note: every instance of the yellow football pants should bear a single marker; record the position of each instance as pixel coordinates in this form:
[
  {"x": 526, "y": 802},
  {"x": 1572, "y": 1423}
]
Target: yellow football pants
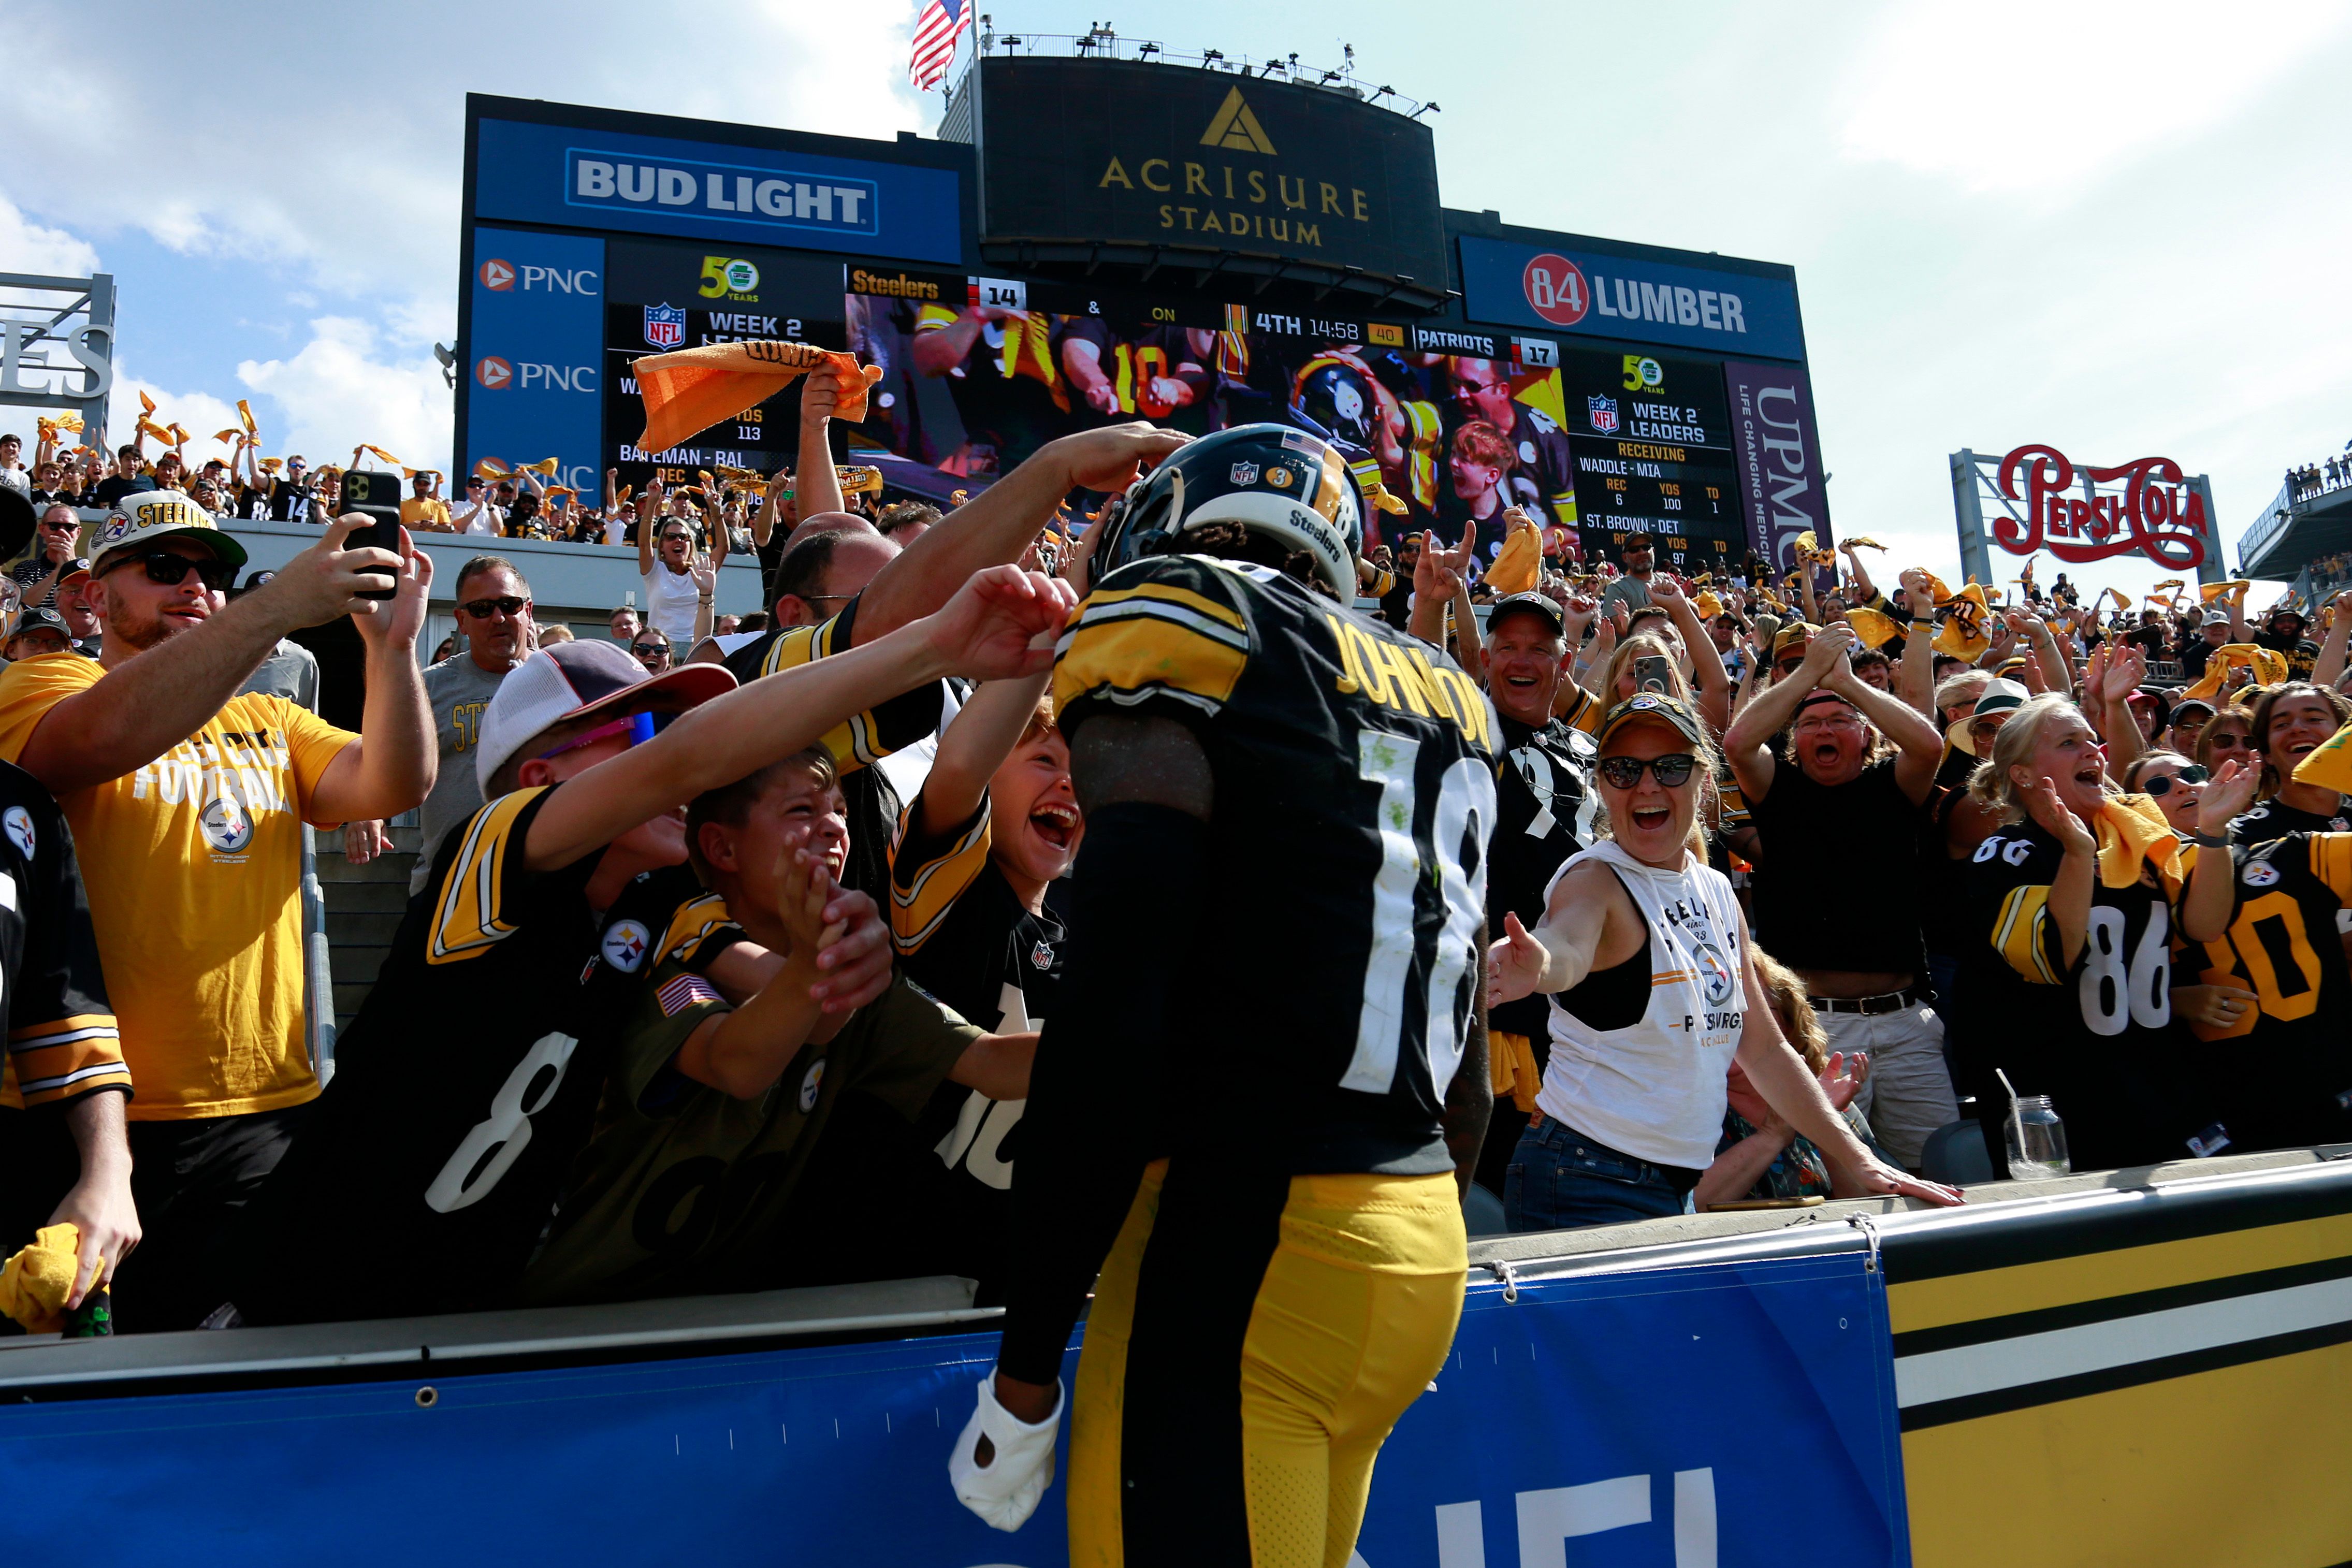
[{"x": 1254, "y": 1338}]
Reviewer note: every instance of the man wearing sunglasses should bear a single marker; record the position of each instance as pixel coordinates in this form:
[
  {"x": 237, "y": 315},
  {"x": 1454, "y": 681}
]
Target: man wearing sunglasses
[
  {"x": 186, "y": 801},
  {"x": 495, "y": 633},
  {"x": 53, "y": 553},
  {"x": 1859, "y": 764}
]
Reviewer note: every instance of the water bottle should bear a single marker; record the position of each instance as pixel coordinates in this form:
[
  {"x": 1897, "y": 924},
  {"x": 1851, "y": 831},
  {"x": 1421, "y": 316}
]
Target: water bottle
[{"x": 2036, "y": 1140}]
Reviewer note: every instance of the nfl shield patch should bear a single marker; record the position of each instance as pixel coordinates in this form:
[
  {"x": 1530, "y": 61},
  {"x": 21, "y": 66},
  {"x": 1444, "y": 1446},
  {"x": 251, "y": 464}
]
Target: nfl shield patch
[
  {"x": 1600, "y": 411},
  {"x": 1245, "y": 473},
  {"x": 666, "y": 326},
  {"x": 1041, "y": 956}
]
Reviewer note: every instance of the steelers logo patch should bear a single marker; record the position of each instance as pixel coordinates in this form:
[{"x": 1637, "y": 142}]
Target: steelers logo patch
[
  {"x": 1714, "y": 975},
  {"x": 2259, "y": 874},
  {"x": 811, "y": 1082},
  {"x": 1642, "y": 702},
  {"x": 227, "y": 826},
  {"x": 18, "y": 823},
  {"x": 625, "y": 945}
]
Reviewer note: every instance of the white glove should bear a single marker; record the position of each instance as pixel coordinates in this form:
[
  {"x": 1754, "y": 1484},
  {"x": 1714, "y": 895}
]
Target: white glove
[{"x": 1004, "y": 1491}]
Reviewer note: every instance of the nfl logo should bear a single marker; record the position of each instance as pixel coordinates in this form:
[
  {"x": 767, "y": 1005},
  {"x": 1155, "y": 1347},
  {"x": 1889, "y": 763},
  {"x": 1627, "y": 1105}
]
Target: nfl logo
[
  {"x": 665, "y": 329},
  {"x": 1600, "y": 411},
  {"x": 1245, "y": 473},
  {"x": 1041, "y": 956}
]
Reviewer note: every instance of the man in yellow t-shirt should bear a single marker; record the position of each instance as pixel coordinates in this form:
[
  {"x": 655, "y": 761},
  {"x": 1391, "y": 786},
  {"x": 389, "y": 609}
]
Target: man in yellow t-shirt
[
  {"x": 186, "y": 803},
  {"x": 423, "y": 509}
]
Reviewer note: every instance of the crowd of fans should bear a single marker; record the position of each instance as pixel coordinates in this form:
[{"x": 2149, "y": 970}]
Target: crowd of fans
[
  {"x": 694, "y": 993},
  {"x": 2318, "y": 479}
]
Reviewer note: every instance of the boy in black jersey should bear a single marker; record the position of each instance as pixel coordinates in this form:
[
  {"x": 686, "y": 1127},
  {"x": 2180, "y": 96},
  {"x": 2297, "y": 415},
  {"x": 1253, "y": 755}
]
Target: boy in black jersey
[
  {"x": 467, "y": 1084},
  {"x": 65, "y": 1158},
  {"x": 1244, "y": 1363},
  {"x": 996, "y": 824},
  {"x": 712, "y": 1113}
]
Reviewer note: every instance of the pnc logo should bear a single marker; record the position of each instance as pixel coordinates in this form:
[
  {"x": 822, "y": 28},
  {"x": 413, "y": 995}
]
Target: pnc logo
[
  {"x": 1235, "y": 128},
  {"x": 498, "y": 276},
  {"x": 1556, "y": 290},
  {"x": 494, "y": 372}
]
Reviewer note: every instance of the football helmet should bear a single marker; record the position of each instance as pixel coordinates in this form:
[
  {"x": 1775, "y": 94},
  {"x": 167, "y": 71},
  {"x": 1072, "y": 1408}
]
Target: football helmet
[
  {"x": 1286, "y": 484},
  {"x": 1333, "y": 396}
]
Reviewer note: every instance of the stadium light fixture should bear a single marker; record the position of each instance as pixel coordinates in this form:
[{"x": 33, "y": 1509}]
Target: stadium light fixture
[
  {"x": 448, "y": 358},
  {"x": 1425, "y": 109}
]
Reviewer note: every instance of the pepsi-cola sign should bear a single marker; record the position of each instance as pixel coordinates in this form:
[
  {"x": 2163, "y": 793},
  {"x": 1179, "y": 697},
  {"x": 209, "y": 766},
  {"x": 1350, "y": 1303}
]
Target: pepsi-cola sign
[{"x": 2152, "y": 509}]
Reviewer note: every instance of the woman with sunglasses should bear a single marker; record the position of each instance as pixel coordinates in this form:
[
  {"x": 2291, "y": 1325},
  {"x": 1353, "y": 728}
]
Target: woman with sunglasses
[
  {"x": 2173, "y": 781},
  {"x": 653, "y": 650},
  {"x": 1643, "y": 952},
  {"x": 2228, "y": 737}
]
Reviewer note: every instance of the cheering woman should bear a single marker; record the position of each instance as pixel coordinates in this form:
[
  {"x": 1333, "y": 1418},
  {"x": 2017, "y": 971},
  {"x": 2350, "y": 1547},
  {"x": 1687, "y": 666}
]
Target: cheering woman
[{"x": 1643, "y": 952}]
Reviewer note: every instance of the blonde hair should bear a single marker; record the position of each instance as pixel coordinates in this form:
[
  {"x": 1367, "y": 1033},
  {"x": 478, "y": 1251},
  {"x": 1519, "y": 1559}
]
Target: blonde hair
[
  {"x": 2013, "y": 746},
  {"x": 1793, "y": 1008},
  {"x": 1634, "y": 646}
]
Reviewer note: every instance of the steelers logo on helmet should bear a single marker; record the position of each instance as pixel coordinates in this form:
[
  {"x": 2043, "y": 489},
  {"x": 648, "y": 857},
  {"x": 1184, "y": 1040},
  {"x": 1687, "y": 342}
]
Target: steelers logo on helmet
[
  {"x": 1335, "y": 394},
  {"x": 1228, "y": 477}
]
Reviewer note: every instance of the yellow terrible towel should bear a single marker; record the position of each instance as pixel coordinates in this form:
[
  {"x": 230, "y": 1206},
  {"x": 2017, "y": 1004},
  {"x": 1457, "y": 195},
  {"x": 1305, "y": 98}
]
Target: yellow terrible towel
[
  {"x": 694, "y": 389},
  {"x": 35, "y": 1284}
]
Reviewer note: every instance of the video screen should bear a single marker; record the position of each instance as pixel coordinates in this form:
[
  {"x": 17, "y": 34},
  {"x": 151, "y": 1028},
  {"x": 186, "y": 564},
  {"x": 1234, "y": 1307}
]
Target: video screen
[{"x": 1455, "y": 424}]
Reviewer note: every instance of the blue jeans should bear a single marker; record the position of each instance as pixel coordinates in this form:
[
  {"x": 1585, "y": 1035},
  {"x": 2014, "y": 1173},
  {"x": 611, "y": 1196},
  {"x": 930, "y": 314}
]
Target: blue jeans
[{"x": 1560, "y": 1179}]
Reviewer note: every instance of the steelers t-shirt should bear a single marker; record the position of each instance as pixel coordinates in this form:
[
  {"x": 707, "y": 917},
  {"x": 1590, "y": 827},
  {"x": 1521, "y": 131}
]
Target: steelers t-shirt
[
  {"x": 193, "y": 864},
  {"x": 61, "y": 1036}
]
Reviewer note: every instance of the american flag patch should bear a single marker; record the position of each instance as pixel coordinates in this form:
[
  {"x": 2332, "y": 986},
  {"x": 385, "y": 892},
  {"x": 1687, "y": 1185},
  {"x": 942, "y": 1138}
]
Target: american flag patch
[{"x": 685, "y": 991}]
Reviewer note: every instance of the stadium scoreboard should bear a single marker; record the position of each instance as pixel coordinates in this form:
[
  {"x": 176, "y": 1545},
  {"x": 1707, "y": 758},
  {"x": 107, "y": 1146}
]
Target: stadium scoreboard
[{"x": 1601, "y": 385}]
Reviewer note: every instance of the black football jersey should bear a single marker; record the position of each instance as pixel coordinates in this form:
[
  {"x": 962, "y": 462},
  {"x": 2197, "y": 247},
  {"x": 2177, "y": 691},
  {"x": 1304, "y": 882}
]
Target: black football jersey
[
  {"x": 1354, "y": 774},
  {"x": 1545, "y": 480},
  {"x": 2275, "y": 819},
  {"x": 2099, "y": 1038},
  {"x": 968, "y": 940},
  {"x": 424, "y": 1174},
  {"x": 60, "y": 1030},
  {"x": 2294, "y": 1086},
  {"x": 1547, "y": 810}
]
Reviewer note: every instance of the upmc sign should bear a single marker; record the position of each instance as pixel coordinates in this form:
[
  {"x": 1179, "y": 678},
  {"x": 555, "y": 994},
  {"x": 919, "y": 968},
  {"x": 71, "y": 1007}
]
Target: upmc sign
[
  {"x": 2157, "y": 511},
  {"x": 1734, "y": 313}
]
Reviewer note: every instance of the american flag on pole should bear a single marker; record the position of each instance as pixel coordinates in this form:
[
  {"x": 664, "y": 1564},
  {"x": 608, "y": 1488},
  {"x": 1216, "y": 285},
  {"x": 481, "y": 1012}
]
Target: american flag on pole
[{"x": 936, "y": 32}]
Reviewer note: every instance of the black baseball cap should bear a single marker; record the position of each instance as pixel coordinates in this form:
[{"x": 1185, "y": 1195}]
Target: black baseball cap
[
  {"x": 1668, "y": 710},
  {"x": 1532, "y": 603},
  {"x": 38, "y": 619},
  {"x": 1638, "y": 540}
]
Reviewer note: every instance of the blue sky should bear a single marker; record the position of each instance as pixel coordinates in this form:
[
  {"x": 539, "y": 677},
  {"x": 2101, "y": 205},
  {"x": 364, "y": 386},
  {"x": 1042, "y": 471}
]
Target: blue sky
[{"x": 2118, "y": 231}]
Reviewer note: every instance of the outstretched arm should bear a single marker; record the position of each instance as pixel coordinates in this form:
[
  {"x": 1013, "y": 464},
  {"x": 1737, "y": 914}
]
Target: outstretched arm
[{"x": 985, "y": 730}]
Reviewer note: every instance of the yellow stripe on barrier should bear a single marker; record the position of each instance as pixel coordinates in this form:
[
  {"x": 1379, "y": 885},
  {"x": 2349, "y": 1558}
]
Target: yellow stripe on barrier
[
  {"x": 2234, "y": 1466},
  {"x": 2094, "y": 1276}
]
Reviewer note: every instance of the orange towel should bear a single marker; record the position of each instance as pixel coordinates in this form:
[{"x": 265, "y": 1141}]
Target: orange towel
[{"x": 694, "y": 389}]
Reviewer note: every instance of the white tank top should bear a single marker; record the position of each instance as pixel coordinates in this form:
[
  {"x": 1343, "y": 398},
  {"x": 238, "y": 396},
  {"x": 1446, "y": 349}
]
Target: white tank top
[
  {"x": 1656, "y": 1090},
  {"x": 671, "y": 599}
]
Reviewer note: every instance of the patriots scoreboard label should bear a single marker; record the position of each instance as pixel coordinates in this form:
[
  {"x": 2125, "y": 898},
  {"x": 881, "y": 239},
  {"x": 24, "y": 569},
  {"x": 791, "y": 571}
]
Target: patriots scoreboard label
[
  {"x": 1601, "y": 412},
  {"x": 665, "y": 326}
]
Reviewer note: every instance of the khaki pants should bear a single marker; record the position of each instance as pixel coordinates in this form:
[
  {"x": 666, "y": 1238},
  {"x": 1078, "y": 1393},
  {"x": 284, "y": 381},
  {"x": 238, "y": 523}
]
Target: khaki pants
[{"x": 1909, "y": 1092}]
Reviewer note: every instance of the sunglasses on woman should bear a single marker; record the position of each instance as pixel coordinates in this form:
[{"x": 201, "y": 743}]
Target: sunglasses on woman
[
  {"x": 166, "y": 570},
  {"x": 2232, "y": 743},
  {"x": 650, "y": 649},
  {"x": 2161, "y": 784},
  {"x": 1625, "y": 773}
]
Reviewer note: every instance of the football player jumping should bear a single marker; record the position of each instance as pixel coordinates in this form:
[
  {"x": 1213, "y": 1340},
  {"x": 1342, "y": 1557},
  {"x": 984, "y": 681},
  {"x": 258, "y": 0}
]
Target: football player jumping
[{"x": 1260, "y": 1150}]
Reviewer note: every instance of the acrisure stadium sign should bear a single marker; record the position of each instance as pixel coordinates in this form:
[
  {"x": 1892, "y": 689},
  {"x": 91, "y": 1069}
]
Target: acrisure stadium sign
[{"x": 1145, "y": 167}]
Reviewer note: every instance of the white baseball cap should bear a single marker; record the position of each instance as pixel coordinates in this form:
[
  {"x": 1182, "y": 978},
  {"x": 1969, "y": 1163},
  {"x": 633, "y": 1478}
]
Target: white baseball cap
[
  {"x": 151, "y": 515},
  {"x": 581, "y": 681}
]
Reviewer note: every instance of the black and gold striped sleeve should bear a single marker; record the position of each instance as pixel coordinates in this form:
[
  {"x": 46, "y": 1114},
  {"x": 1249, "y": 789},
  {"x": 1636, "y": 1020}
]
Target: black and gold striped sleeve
[
  {"x": 1577, "y": 708},
  {"x": 697, "y": 929},
  {"x": 865, "y": 738},
  {"x": 1164, "y": 632},
  {"x": 926, "y": 877},
  {"x": 2027, "y": 938},
  {"x": 2331, "y": 863},
  {"x": 478, "y": 904},
  {"x": 62, "y": 1039}
]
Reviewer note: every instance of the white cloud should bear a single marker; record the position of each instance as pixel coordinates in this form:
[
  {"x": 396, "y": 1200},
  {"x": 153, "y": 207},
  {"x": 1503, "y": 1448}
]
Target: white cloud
[
  {"x": 29, "y": 246},
  {"x": 335, "y": 393},
  {"x": 2018, "y": 95}
]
